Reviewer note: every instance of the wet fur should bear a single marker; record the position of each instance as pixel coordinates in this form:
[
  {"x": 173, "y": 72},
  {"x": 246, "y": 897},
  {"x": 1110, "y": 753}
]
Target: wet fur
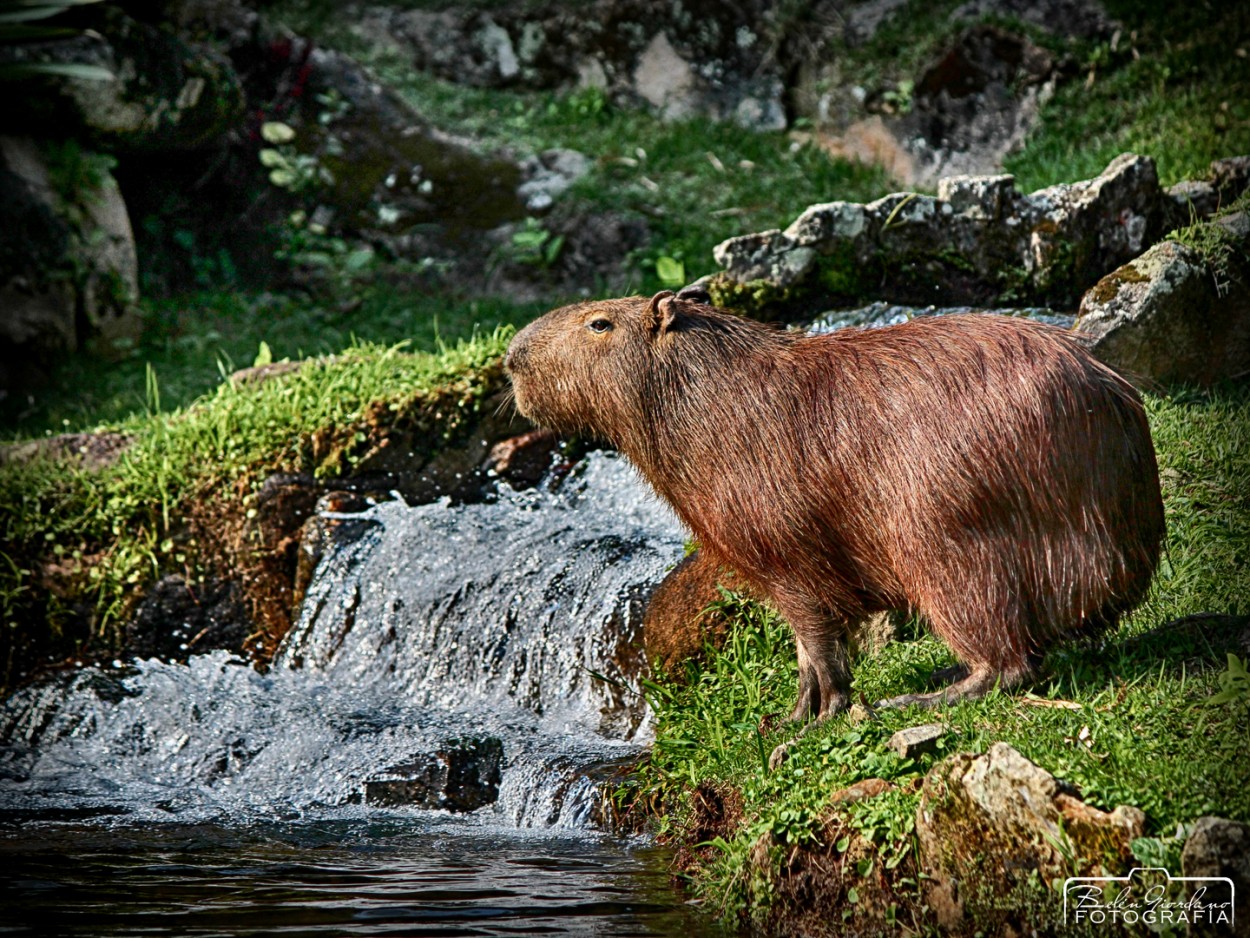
[{"x": 984, "y": 472}]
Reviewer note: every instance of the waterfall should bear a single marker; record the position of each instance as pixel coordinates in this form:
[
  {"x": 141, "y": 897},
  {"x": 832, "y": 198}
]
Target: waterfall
[{"x": 508, "y": 630}]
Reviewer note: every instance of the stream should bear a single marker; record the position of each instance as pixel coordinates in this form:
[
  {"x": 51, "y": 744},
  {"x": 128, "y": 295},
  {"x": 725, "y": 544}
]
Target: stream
[{"x": 426, "y": 755}]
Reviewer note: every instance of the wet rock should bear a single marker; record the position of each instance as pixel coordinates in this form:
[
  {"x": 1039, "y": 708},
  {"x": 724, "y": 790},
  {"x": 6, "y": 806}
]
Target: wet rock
[
  {"x": 682, "y": 616},
  {"x": 916, "y": 740},
  {"x": 167, "y": 94},
  {"x": 989, "y": 823},
  {"x": 68, "y": 272},
  {"x": 1174, "y": 314},
  {"x": 978, "y": 241},
  {"x": 462, "y": 776},
  {"x": 326, "y": 529},
  {"x": 1220, "y": 847},
  {"x": 177, "y": 618},
  {"x": 523, "y": 460}
]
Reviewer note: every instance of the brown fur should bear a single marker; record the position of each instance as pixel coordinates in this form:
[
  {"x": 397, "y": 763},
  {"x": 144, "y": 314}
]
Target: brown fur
[{"x": 985, "y": 472}]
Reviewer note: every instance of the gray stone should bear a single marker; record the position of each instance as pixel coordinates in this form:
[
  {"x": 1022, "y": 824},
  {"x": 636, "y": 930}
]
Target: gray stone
[
  {"x": 916, "y": 740},
  {"x": 1167, "y": 317},
  {"x": 988, "y": 823},
  {"x": 1220, "y": 847},
  {"x": 549, "y": 174},
  {"x": 68, "y": 272},
  {"x": 978, "y": 241},
  {"x": 461, "y": 776}
]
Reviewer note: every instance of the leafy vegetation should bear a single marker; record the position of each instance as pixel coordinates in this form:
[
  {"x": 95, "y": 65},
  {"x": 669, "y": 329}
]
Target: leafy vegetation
[{"x": 1155, "y": 718}]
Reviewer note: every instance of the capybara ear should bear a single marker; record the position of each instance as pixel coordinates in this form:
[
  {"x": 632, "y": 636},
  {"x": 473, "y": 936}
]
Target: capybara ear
[
  {"x": 663, "y": 312},
  {"x": 695, "y": 294}
]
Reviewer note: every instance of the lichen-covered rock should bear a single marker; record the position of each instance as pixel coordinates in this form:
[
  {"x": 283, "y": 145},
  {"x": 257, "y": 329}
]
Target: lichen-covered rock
[
  {"x": 1173, "y": 314},
  {"x": 993, "y": 825},
  {"x": 1220, "y": 847},
  {"x": 978, "y": 241},
  {"x": 682, "y": 60},
  {"x": 68, "y": 273}
]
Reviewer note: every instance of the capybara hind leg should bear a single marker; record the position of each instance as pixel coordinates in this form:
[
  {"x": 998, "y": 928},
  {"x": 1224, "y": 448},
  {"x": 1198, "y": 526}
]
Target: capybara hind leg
[
  {"x": 977, "y": 684},
  {"x": 943, "y": 676}
]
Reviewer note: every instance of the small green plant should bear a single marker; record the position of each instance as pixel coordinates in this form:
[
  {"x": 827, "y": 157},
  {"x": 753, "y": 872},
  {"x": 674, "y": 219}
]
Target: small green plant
[
  {"x": 535, "y": 244},
  {"x": 1234, "y": 684},
  {"x": 288, "y": 168}
]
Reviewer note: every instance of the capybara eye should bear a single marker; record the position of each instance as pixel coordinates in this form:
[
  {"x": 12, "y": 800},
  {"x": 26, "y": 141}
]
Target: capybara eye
[{"x": 599, "y": 325}]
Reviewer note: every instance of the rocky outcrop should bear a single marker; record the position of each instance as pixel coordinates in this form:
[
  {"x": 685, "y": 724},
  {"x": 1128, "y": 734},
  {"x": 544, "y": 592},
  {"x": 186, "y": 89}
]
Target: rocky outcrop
[
  {"x": 1220, "y": 847},
  {"x": 989, "y": 824},
  {"x": 68, "y": 272},
  {"x": 1179, "y": 313},
  {"x": 682, "y": 60},
  {"x": 977, "y": 241}
]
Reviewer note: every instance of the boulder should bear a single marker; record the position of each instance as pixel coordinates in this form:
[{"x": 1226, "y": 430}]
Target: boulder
[
  {"x": 463, "y": 775},
  {"x": 993, "y": 824},
  {"x": 1177, "y": 314},
  {"x": 977, "y": 241},
  {"x": 686, "y": 60},
  {"x": 1220, "y": 847},
  {"x": 68, "y": 273}
]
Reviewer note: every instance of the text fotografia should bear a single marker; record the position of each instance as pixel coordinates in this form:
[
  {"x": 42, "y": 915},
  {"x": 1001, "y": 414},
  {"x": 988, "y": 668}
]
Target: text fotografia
[{"x": 1151, "y": 897}]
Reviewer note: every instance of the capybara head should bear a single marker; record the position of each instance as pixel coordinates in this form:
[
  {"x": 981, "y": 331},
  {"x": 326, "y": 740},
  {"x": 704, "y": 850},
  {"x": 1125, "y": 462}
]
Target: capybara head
[{"x": 595, "y": 366}]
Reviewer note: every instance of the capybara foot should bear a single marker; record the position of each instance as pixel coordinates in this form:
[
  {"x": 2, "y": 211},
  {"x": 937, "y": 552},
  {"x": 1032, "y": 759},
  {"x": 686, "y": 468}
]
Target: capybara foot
[
  {"x": 943, "y": 676},
  {"x": 781, "y": 753},
  {"x": 816, "y": 706},
  {"x": 974, "y": 686}
]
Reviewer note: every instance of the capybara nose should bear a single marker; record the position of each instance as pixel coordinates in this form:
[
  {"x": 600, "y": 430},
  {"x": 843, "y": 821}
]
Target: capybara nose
[{"x": 515, "y": 357}]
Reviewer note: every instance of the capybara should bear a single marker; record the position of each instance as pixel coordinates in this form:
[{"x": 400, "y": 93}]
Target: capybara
[{"x": 985, "y": 472}]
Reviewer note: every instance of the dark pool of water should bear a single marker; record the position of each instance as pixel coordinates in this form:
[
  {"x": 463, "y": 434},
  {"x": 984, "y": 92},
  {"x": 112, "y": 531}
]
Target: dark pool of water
[{"x": 355, "y": 877}]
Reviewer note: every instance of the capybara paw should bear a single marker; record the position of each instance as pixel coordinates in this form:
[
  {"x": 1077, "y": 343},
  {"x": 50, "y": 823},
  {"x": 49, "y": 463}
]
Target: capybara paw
[
  {"x": 909, "y": 700},
  {"x": 780, "y": 754}
]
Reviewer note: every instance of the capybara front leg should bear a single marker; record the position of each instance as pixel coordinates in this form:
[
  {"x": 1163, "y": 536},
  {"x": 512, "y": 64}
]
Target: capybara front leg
[{"x": 824, "y": 676}]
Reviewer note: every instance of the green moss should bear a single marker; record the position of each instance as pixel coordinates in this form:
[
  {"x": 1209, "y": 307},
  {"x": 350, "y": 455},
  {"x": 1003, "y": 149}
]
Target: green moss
[{"x": 1108, "y": 288}]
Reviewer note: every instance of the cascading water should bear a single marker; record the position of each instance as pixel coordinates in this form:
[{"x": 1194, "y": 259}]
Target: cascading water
[
  {"x": 507, "y": 628},
  {"x": 510, "y": 620}
]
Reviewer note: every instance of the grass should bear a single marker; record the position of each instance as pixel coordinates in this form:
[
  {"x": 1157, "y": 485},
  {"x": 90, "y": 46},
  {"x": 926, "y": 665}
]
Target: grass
[
  {"x": 1143, "y": 721},
  {"x": 76, "y": 542},
  {"x": 1177, "y": 89}
]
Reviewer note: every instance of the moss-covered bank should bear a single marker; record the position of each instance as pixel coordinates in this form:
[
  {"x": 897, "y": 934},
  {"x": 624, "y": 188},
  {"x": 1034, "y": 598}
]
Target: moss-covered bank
[{"x": 81, "y": 539}]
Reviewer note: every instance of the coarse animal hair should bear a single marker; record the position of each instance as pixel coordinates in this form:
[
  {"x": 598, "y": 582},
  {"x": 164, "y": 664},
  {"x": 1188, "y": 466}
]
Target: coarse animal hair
[{"x": 985, "y": 472}]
